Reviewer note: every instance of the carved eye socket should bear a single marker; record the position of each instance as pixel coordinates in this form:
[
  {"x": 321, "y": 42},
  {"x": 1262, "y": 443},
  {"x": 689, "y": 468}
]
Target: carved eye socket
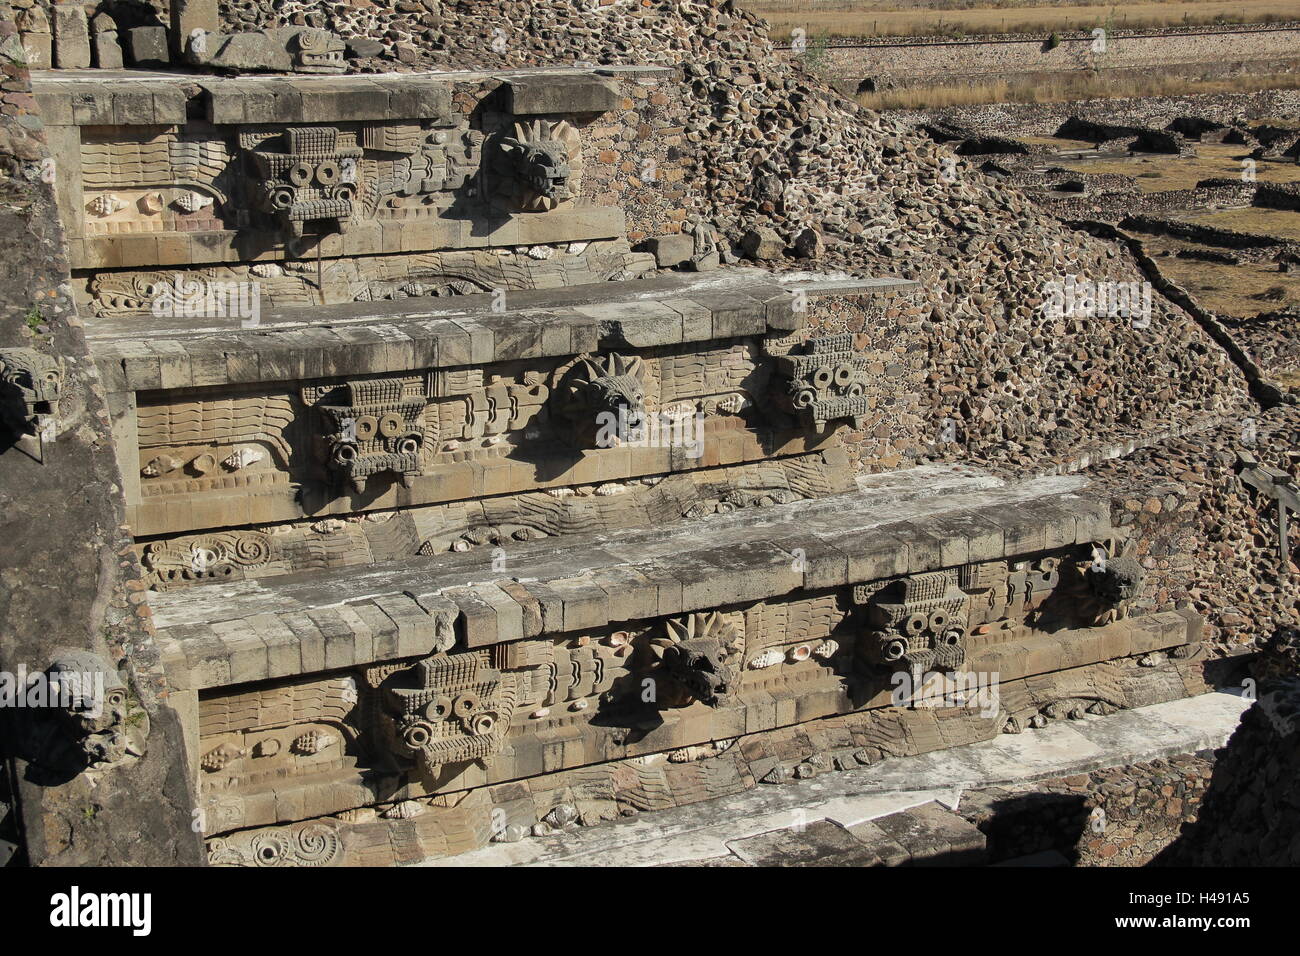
[
  {"x": 408, "y": 445},
  {"x": 327, "y": 172},
  {"x": 893, "y": 650},
  {"x": 300, "y": 174},
  {"x": 390, "y": 425},
  {"x": 417, "y": 735},
  {"x": 345, "y": 454},
  {"x": 281, "y": 198},
  {"x": 366, "y": 427}
]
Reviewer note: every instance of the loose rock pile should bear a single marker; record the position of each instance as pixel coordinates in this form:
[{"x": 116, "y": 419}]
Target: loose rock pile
[
  {"x": 1235, "y": 577},
  {"x": 1120, "y": 816}
]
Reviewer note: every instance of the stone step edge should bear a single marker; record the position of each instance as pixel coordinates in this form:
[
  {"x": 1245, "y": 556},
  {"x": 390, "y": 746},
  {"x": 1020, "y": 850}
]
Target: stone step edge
[
  {"x": 410, "y": 336},
  {"x": 264, "y": 641},
  {"x": 344, "y": 797}
]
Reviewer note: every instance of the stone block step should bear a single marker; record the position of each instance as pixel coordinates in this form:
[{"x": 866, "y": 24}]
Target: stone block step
[
  {"x": 931, "y": 836},
  {"x": 369, "y": 338},
  {"x": 230, "y": 633},
  {"x": 762, "y": 826}
]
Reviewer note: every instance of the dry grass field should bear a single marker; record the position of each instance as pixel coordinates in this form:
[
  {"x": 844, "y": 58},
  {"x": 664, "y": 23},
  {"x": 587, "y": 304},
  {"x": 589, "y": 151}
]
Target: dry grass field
[
  {"x": 1279, "y": 223},
  {"x": 1065, "y": 87},
  {"x": 1242, "y": 290},
  {"x": 1156, "y": 173},
  {"x": 964, "y": 17}
]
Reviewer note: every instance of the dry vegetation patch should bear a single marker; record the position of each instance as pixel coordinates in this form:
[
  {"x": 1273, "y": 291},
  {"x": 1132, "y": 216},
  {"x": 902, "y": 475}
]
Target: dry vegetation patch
[
  {"x": 1067, "y": 87},
  {"x": 1241, "y": 290},
  {"x": 1157, "y": 173},
  {"x": 960, "y": 17}
]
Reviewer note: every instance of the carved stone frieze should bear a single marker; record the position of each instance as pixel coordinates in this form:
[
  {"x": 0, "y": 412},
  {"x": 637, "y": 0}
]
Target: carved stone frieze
[
  {"x": 372, "y": 427},
  {"x": 825, "y": 382},
  {"x": 299, "y": 283},
  {"x": 600, "y": 399},
  {"x": 30, "y": 385},
  {"x": 493, "y": 522},
  {"x": 539, "y": 167},
  {"x": 281, "y": 49},
  {"x": 700, "y": 657},
  {"x": 316, "y": 843},
  {"x": 448, "y": 709},
  {"x": 202, "y": 557},
  {"x": 917, "y": 623},
  {"x": 310, "y": 177}
]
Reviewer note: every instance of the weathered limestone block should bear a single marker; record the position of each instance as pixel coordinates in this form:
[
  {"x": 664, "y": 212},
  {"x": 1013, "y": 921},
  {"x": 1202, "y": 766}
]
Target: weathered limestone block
[
  {"x": 38, "y": 42},
  {"x": 147, "y": 46},
  {"x": 71, "y": 36},
  {"x": 105, "y": 45},
  {"x": 559, "y": 93},
  {"x": 762, "y": 244},
  {"x": 279, "y": 50},
  {"x": 670, "y": 251},
  {"x": 189, "y": 16}
]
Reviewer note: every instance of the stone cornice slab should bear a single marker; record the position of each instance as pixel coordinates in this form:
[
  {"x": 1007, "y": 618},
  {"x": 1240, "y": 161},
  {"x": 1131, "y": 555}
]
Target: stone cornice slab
[{"x": 257, "y": 630}]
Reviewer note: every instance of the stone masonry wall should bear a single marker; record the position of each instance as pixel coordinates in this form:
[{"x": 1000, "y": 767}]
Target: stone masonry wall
[
  {"x": 1120, "y": 816},
  {"x": 1044, "y": 119},
  {"x": 633, "y": 155},
  {"x": 903, "y": 63},
  {"x": 890, "y": 332},
  {"x": 1251, "y": 814},
  {"x": 68, "y": 578}
]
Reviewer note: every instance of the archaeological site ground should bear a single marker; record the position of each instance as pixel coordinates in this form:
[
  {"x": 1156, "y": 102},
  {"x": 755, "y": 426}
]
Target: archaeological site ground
[{"x": 637, "y": 433}]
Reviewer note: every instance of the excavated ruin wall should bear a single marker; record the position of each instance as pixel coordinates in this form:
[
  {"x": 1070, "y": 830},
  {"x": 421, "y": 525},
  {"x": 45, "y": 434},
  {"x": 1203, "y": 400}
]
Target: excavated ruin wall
[
  {"x": 68, "y": 578},
  {"x": 767, "y": 147},
  {"x": 1044, "y": 119},
  {"x": 1251, "y": 810},
  {"x": 747, "y": 141},
  {"x": 1207, "y": 51},
  {"x": 1120, "y": 816}
]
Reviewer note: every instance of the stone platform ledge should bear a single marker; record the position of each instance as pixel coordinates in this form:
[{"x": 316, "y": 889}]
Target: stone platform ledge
[
  {"x": 446, "y": 484},
  {"x": 147, "y": 97},
  {"x": 224, "y": 634},
  {"x": 712, "y": 831},
  {"x": 812, "y": 727},
  {"x": 188, "y": 250},
  {"x": 366, "y": 338}
]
